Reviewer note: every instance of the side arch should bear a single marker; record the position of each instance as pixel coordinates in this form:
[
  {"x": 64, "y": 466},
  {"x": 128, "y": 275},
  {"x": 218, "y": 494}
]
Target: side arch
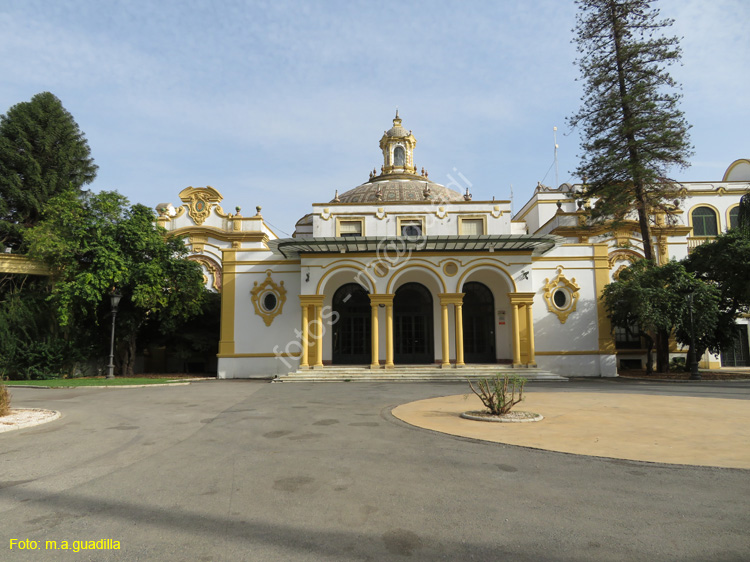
[
  {"x": 404, "y": 272},
  {"x": 488, "y": 266},
  {"x": 358, "y": 275},
  {"x": 213, "y": 268}
]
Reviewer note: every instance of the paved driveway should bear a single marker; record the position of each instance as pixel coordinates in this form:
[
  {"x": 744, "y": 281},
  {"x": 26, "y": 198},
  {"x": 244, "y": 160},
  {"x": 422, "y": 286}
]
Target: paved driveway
[{"x": 253, "y": 471}]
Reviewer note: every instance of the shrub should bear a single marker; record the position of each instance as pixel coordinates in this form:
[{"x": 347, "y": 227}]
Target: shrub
[
  {"x": 4, "y": 400},
  {"x": 498, "y": 394},
  {"x": 677, "y": 364}
]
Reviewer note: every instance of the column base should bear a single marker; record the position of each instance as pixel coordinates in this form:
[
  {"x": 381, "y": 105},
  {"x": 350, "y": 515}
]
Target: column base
[
  {"x": 531, "y": 365},
  {"x": 460, "y": 365},
  {"x": 375, "y": 366},
  {"x": 317, "y": 367},
  {"x": 518, "y": 365},
  {"x": 390, "y": 366},
  {"x": 445, "y": 365}
]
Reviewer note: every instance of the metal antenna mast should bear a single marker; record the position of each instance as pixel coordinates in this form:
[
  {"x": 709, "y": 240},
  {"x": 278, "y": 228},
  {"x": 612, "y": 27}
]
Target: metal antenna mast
[{"x": 557, "y": 172}]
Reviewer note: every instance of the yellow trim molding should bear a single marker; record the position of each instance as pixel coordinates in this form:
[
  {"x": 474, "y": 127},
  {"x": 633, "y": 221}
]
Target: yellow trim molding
[
  {"x": 462, "y": 218},
  {"x": 223, "y": 235},
  {"x": 359, "y": 220},
  {"x": 228, "y": 293},
  {"x": 601, "y": 277},
  {"x": 213, "y": 267},
  {"x": 410, "y": 218},
  {"x": 10, "y": 263}
]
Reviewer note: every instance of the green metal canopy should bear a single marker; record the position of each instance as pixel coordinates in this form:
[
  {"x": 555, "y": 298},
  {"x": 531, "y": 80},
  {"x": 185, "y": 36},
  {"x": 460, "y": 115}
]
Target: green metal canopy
[{"x": 293, "y": 247}]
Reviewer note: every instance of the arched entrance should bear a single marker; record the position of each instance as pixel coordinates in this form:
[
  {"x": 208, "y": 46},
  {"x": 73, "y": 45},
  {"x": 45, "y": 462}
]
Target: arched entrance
[
  {"x": 351, "y": 333},
  {"x": 412, "y": 325},
  {"x": 479, "y": 323}
]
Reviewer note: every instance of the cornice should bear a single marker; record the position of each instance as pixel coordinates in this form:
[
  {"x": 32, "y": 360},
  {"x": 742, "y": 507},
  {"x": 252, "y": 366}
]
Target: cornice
[
  {"x": 22, "y": 265},
  {"x": 219, "y": 234}
]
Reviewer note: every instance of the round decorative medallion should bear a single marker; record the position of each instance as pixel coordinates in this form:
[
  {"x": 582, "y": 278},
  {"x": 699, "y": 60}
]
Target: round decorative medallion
[{"x": 450, "y": 268}]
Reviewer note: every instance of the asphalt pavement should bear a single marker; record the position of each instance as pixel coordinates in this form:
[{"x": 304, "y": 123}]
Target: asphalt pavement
[{"x": 246, "y": 470}]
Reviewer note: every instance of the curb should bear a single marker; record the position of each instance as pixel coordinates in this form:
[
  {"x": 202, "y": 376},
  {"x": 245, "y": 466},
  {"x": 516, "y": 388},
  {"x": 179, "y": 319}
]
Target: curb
[
  {"x": 55, "y": 415},
  {"x": 11, "y": 386}
]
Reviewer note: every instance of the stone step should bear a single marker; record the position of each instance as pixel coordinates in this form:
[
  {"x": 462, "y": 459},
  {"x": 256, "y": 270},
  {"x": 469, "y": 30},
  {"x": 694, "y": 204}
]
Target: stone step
[{"x": 415, "y": 373}]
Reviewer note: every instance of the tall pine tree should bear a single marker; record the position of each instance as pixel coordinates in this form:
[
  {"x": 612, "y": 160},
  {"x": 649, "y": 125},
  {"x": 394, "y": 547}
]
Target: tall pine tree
[
  {"x": 633, "y": 131},
  {"x": 42, "y": 154}
]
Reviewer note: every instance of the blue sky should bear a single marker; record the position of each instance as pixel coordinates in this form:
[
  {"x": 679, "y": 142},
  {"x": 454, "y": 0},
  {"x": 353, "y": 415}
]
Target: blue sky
[{"x": 281, "y": 103}]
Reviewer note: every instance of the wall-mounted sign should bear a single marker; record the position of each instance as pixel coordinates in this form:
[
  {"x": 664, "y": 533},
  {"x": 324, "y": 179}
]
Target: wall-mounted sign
[{"x": 501, "y": 318}]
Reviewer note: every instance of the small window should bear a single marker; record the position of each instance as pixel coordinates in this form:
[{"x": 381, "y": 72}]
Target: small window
[
  {"x": 471, "y": 227},
  {"x": 349, "y": 228},
  {"x": 704, "y": 222},
  {"x": 269, "y": 302},
  {"x": 560, "y": 298},
  {"x": 734, "y": 217},
  {"x": 399, "y": 156},
  {"x": 627, "y": 338},
  {"x": 411, "y": 228}
]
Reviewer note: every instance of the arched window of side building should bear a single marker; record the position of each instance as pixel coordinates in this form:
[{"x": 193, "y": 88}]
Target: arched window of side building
[{"x": 705, "y": 222}]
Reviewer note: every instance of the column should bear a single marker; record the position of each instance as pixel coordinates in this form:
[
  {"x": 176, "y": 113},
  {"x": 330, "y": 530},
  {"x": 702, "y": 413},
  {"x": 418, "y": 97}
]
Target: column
[
  {"x": 516, "y": 336},
  {"x": 375, "y": 364},
  {"x": 446, "y": 343},
  {"x": 303, "y": 364},
  {"x": 530, "y": 325},
  {"x": 229, "y": 272},
  {"x": 319, "y": 335},
  {"x": 389, "y": 335},
  {"x": 459, "y": 334}
]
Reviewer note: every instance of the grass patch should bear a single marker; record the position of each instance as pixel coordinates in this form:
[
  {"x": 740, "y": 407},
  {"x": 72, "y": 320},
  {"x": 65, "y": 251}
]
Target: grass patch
[{"x": 96, "y": 381}]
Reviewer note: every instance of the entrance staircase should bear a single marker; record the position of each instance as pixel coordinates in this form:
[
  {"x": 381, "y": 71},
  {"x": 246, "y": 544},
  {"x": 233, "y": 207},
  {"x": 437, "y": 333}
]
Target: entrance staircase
[{"x": 415, "y": 373}]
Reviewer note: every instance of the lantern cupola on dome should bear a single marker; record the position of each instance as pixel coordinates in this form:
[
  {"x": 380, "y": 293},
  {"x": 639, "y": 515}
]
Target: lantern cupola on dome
[{"x": 398, "y": 145}]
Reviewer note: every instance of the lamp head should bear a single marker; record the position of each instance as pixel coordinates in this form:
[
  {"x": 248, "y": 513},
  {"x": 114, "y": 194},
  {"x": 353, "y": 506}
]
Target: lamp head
[{"x": 115, "y": 299}]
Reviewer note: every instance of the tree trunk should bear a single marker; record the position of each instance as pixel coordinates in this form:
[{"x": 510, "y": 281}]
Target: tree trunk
[
  {"x": 649, "y": 357},
  {"x": 127, "y": 356},
  {"x": 662, "y": 351},
  {"x": 641, "y": 203}
]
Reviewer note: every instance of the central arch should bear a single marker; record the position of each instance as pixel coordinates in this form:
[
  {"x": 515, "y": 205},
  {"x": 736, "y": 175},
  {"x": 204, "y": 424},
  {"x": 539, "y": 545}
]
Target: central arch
[
  {"x": 413, "y": 325},
  {"x": 478, "y": 323},
  {"x": 352, "y": 343}
]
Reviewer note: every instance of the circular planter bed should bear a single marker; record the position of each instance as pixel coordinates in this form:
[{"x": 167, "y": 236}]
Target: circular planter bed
[{"x": 510, "y": 417}]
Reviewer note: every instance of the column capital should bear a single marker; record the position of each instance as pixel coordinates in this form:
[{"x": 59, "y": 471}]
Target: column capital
[
  {"x": 311, "y": 299},
  {"x": 381, "y": 298},
  {"x": 521, "y": 298},
  {"x": 451, "y": 298}
]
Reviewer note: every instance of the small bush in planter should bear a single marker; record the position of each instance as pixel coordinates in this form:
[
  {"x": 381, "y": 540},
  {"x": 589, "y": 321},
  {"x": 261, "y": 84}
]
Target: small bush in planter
[{"x": 498, "y": 394}]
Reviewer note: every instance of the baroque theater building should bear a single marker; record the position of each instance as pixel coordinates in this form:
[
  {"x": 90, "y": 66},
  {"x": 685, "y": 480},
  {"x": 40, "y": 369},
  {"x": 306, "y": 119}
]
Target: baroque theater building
[{"x": 403, "y": 275}]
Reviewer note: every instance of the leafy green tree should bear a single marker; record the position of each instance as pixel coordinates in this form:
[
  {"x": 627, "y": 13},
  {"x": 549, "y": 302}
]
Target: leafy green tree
[
  {"x": 725, "y": 264},
  {"x": 656, "y": 299},
  {"x": 31, "y": 344},
  {"x": 633, "y": 131},
  {"x": 42, "y": 153},
  {"x": 97, "y": 243}
]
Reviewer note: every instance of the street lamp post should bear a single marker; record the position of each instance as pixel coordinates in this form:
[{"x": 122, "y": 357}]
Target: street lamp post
[
  {"x": 694, "y": 374},
  {"x": 115, "y": 300}
]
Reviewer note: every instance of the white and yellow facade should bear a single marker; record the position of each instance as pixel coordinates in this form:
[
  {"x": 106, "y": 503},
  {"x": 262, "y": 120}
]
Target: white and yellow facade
[{"x": 401, "y": 270}]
